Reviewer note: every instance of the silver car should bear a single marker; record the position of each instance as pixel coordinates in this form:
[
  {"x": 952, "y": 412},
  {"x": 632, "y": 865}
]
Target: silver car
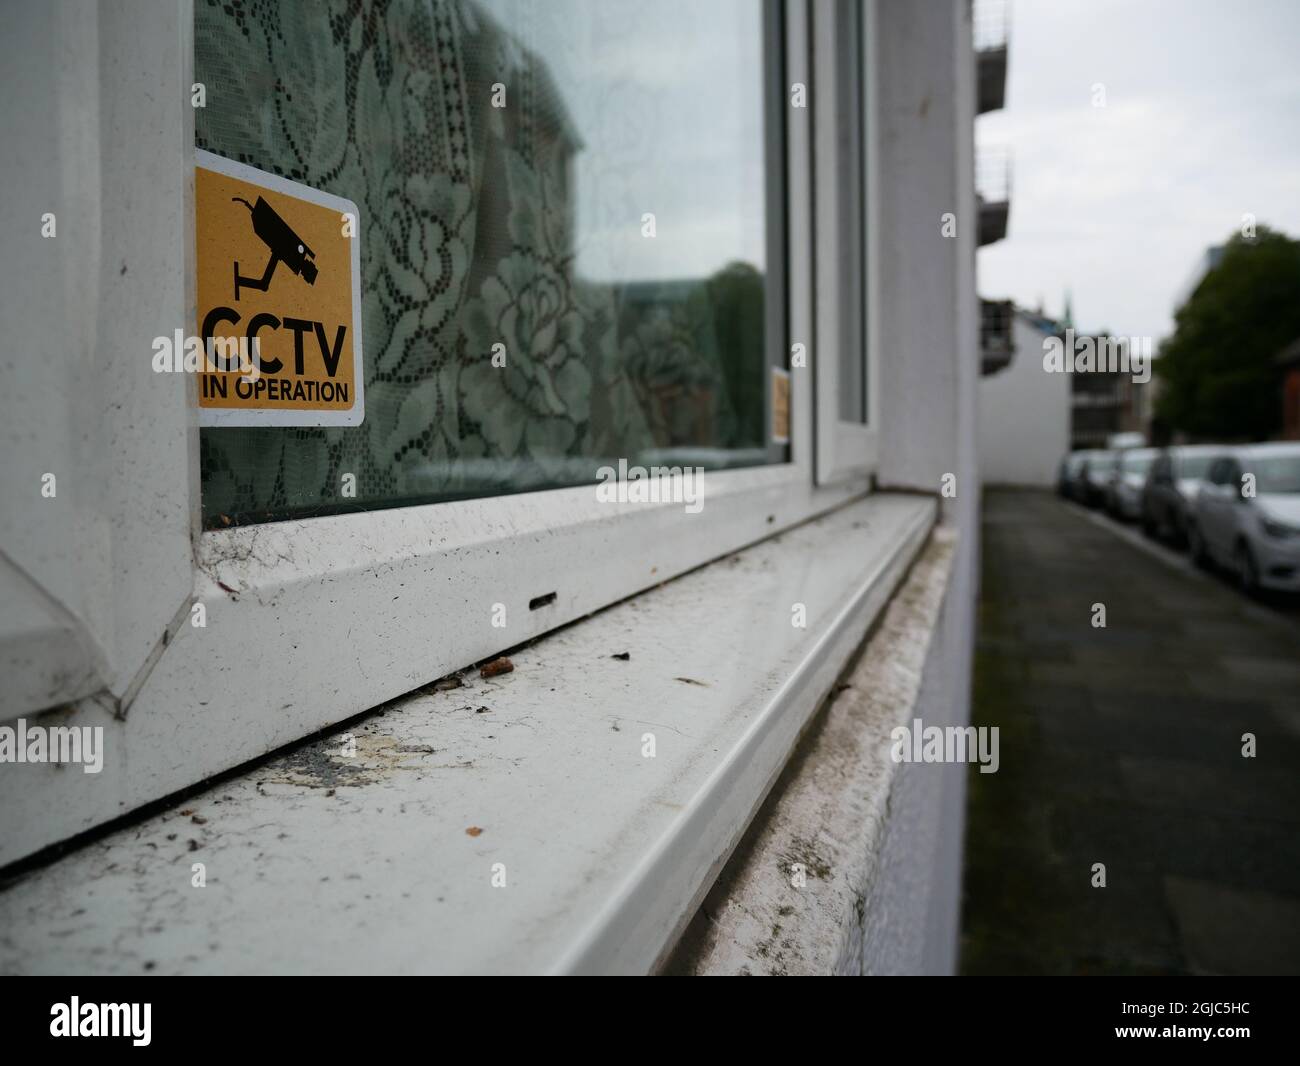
[
  {"x": 1247, "y": 516},
  {"x": 1175, "y": 478}
]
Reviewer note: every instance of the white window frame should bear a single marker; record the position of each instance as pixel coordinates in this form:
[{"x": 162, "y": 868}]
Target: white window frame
[
  {"x": 845, "y": 449},
  {"x": 94, "y": 578},
  {"x": 309, "y": 622}
]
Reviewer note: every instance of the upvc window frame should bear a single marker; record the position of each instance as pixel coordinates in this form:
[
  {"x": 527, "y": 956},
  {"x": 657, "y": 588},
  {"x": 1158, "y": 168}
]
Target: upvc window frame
[
  {"x": 95, "y": 578},
  {"x": 312, "y": 621},
  {"x": 845, "y": 449}
]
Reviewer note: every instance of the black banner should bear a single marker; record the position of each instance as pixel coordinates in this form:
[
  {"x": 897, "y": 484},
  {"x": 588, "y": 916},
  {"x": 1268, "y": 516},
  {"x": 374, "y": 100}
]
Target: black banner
[{"x": 1224, "y": 1016}]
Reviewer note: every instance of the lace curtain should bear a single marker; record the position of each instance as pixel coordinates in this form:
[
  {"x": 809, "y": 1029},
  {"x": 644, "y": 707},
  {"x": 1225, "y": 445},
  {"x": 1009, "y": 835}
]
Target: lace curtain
[{"x": 468, "y": 219}]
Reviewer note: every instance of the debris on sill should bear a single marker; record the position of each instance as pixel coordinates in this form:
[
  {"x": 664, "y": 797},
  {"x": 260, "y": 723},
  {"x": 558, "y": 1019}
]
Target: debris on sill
[
  {"x": 622, "y": 656},
  {"x": 496, "y": 666},
  {"x": 473, "y": 831}
]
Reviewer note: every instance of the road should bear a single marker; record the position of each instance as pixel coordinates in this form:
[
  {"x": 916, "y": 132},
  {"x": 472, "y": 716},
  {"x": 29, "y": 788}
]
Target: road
[{"x": 1123, "y": 746}]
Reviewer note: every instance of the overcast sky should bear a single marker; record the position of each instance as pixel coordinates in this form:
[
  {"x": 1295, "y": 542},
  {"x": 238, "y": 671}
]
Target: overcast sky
[{"x": 1201, "y": 125}]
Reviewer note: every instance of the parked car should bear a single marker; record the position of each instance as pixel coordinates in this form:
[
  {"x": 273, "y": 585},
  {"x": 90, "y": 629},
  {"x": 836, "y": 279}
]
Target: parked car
[
  {"x": 1099, "y": 470},
  {"x": 1124, "y": 500},
  {"x": 1117, "y": 442},
  {"x": 1175, "y": 478},
  {"x": 1069, "y": 475},
  {"x": 1247, "y": 516}
]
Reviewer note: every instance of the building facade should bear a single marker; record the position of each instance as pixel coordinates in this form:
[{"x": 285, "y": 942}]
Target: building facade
[
  {"x": 1024, "y": 411},
  {"x": 1104, "y": 403}
]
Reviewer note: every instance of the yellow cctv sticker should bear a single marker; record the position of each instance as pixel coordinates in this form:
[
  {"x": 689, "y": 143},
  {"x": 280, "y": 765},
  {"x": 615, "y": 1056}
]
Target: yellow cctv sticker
[{"x": 279, "y": 300}]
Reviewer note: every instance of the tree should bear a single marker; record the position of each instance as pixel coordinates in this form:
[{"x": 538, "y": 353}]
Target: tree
[{"x": 1217, "y": 370}]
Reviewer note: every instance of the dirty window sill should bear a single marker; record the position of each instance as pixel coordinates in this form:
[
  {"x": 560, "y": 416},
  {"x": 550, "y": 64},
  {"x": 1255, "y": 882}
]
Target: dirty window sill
[{"x": 318, "y": 861}]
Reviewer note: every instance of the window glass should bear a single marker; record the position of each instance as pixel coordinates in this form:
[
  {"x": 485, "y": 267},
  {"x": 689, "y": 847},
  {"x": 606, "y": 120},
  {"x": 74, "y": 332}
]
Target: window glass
[
  {"x": 1137, "y": 462},
  {"x": 852, "y": 193},
  {"x": 1280, "y": 473},
  {"x": 1195, "y": 466},
  {"x": 526, "y": 225}
]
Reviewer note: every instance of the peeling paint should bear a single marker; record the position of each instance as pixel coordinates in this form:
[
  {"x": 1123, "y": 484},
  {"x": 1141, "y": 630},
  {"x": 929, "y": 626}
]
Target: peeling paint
[{"x": 321, "y": 765}]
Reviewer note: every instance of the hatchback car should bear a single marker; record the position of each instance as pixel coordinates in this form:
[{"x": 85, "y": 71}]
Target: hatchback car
[
  {"x": 1176, "y": 477},
  {"x": 1124, "y": 500},
  {"x": 1247, "y": 516},
  {"x": 1069, "y": 475}
]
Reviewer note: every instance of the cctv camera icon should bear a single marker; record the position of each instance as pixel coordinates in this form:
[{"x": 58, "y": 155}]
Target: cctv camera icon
[{"x": 286, "y": 247}]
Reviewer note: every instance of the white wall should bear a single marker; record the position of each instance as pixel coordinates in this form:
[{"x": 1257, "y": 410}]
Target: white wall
[
  {"x": 1024, "y": 416},
  {"x": 929, "y": 370}
]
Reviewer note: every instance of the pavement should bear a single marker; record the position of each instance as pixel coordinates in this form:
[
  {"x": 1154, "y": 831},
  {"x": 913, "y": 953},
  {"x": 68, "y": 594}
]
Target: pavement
[{"x": 1122, "y": 746}]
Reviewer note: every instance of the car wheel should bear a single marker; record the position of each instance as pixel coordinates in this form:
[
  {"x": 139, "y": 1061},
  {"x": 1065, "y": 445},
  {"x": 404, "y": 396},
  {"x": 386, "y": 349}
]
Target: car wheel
[
  {"x": 1247, "y": 569},
  {"x": 1149, "y": 525},
  {"x": 1196, "y": 547}
]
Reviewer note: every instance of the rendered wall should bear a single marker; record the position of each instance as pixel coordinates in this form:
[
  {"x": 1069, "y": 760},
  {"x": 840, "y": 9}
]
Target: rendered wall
[
  {"x": 1024, "y": 416},
  {"x": 930, "y": 362}
]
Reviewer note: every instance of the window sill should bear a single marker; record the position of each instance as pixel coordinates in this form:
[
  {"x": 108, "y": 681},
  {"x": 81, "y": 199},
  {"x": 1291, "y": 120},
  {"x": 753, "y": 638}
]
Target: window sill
[
  {"x": 841, "y": 809},
  {"x": 317, "y": 862}
]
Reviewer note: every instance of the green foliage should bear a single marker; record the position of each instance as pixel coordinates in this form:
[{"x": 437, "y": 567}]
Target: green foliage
[
  {"x": 736, "y": 292},
  {"x": 1219, "y": 378}
]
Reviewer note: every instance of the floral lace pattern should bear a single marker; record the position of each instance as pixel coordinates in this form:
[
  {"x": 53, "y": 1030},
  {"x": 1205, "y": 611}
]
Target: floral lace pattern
[{"x": 467, "y": 227}]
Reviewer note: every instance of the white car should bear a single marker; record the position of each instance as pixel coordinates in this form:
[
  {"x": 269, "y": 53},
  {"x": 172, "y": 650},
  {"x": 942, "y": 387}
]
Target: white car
[
  {"x": 1247, "y": 516},
  {"x": 1125, "y": 498}
]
